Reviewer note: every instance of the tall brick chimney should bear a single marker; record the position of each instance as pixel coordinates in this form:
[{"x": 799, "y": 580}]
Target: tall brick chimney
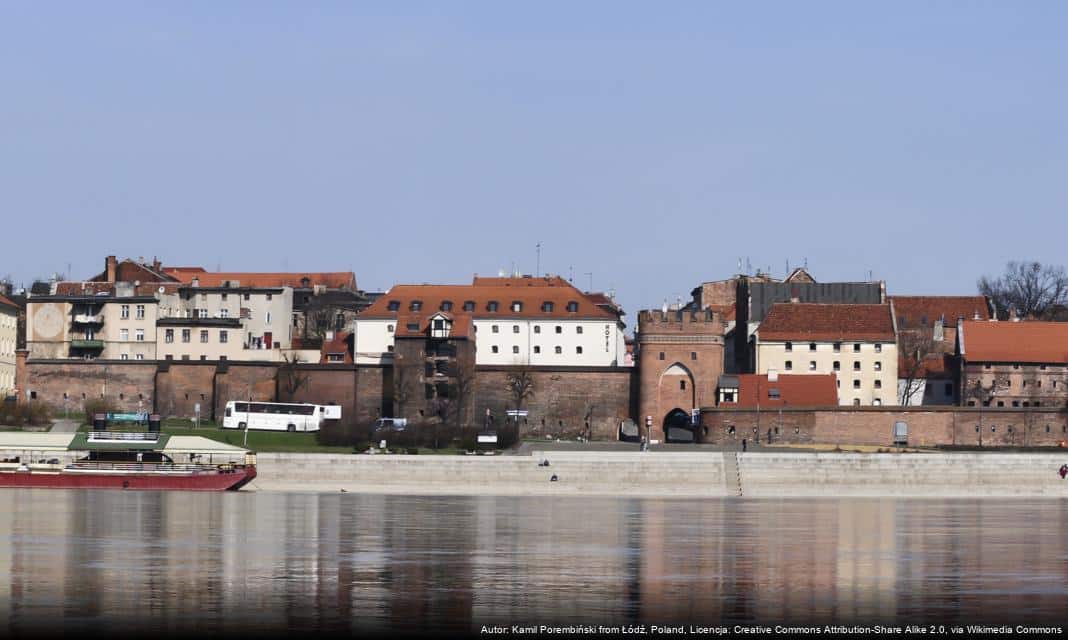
[
  {"x": 112, "y": 267},
  {"x": 157, "y": 266}
]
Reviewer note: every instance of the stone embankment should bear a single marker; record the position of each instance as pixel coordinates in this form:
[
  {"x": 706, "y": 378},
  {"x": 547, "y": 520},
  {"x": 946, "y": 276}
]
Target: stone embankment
[{"x": 682, "y": 475}]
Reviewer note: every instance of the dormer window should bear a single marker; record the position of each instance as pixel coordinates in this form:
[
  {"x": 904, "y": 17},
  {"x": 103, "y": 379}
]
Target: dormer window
[
  {"x": 491, "y": 306},
  {"x": 517, "y": 306},
  {"x": 572, "y": 307},
  {"x": 413, "y": 326},
  {"x": 547, "y": 307},
  {"x": 446, "y": 305},
  {"x": 469, "y": 305},
  {"x": 394, "y": 305},
  {"x": 416, "y": 305}
]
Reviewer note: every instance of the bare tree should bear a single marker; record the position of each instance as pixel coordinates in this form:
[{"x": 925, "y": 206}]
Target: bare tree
[
  {"x": 915, "y": 349},
  {"x": 402, "y": 387},
  {"x": 1032, "y": 289},
  {"x": 520, "y": 386},
  {"x": 293, "y": 377}
]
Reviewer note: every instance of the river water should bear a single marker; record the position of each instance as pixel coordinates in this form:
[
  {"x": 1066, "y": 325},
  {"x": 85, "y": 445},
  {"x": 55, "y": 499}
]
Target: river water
[{"x": 112, "y": 561}]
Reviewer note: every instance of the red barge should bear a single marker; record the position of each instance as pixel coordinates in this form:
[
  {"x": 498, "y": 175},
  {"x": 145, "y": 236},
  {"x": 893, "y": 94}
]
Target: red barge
[{"x": 118, "y": 460}]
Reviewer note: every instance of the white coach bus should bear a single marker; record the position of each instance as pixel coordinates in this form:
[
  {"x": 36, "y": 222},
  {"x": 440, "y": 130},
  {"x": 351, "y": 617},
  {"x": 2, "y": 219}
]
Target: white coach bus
[{"x": 278, "y": 416}]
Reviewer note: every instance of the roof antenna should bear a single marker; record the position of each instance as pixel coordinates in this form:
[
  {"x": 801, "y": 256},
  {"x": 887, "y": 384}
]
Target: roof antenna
[
  {"x": 571, "y": 273},
  {"x": 537, "y": 271}
]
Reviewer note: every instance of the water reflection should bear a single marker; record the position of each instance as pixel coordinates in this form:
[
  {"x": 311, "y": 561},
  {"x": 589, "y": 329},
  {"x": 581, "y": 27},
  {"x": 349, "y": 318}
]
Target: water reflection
[{"x": 91, "y": 560}]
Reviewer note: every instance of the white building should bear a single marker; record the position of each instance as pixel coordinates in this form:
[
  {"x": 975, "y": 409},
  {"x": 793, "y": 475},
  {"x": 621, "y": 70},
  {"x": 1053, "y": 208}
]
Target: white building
[
  {"x": 8, "y": 341},
  {"x": 857, "y": 342},
  {"x": 517, "y": 321}
]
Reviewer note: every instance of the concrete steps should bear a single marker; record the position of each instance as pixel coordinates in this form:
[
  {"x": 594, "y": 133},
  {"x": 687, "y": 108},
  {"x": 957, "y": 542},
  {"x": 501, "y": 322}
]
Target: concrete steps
[{"x": 732, "y": 475}]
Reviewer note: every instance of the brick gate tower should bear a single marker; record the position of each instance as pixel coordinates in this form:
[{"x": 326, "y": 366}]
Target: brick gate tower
[{"x": 680, "y": 359}]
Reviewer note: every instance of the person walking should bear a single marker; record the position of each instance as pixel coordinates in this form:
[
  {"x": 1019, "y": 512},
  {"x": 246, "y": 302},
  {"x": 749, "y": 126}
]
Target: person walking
[
  {"x": 744, "y": 444},
  {"x": 1063, "y": 471}
]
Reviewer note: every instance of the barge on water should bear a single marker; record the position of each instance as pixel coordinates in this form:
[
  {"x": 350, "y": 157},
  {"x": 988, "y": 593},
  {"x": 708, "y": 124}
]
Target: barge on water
[{"x": 121, "y": 460}]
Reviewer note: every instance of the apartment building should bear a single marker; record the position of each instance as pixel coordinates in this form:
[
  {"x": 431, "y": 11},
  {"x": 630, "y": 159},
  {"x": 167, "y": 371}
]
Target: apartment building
[
  {"x": 857, "y": 342},
  {"x": 9, "y": 313},
  {"x": 1013, "y": 364},
  {"x": 515, "y": 321}
]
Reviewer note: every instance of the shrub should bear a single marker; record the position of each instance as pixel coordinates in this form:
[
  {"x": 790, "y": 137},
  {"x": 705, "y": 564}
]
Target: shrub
[
  {"x": 31, "y": 413},
  {"x": 94, "y": 406}
]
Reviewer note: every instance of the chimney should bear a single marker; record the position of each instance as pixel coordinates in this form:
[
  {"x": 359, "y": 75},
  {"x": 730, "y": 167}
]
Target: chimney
[
  {"x": 1012, "y": 316},
  {"x": 939, "y": 329},
  {"x": 157, "y": 266},
  {"x": 196, "y": 281},
  {"x": 112, "y": 266}
]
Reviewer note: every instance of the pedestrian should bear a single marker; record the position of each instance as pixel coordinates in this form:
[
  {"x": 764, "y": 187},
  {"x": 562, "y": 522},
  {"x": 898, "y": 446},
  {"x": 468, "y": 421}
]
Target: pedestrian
[
  {"x": 744, "y": 444},
  {"x": 1063, "y": 471}
]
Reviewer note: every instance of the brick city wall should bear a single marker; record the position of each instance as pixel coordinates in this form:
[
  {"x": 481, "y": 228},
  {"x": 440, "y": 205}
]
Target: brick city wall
[
  {"x": 65, "y": 385},
  {"x": 927, "y": 426},
  {"x": 321, "y": 384},
  {"x": 564, "y": 399}
]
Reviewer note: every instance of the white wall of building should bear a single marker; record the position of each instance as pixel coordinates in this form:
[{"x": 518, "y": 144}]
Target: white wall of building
[
  {"x": 8, "y": 342},
  {"x": 868, "y": 375}
]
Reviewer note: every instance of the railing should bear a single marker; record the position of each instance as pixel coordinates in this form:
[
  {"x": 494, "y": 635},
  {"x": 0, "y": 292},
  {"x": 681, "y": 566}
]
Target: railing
[
  {"x": 123, "y": 436},
  {"x": 144, "y": 467},
  {"x": 89, "y": 318},
  {"x": 87, "y": 344}
]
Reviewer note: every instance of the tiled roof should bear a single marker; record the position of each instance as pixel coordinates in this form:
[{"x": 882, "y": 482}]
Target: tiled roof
[
  {"x": 332, "y": 280},
  {"x": 431, "y": 297},
  {"x": 93, "y": 288},
  {"x": 521, "y": 281},
  {"x": 812, "y": 390},
  {"x": 7, "y": 303},
  {"x": 414, "y": 326},
  {"x": 1043, "y": 342},
  {"x": 339, "y": 345},
  {"x": 916, "y": 311},
  {"x": 725, "y": 310},
  {"x": 934, "y": 365},
  {"x": 827, "y": 322}
]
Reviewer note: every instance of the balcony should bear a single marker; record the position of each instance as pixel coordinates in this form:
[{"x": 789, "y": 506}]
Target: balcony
[
  {"x": 86, "y": 344},
  {"x": 89, "y": 318}
]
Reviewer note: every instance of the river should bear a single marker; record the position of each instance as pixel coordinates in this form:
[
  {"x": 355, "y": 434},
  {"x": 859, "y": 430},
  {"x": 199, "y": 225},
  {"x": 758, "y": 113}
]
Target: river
[{"x": 112, "y": 561}]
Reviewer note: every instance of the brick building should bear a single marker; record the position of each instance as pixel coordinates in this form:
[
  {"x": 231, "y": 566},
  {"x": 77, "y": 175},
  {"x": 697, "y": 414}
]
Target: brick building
[
  {"x": 1013, "y": 364},
  {"x": 680, "y": 359}
]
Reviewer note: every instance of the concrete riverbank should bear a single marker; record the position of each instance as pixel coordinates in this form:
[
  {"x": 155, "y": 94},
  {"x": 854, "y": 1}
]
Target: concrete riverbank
[{"x": 682, "y": 474}]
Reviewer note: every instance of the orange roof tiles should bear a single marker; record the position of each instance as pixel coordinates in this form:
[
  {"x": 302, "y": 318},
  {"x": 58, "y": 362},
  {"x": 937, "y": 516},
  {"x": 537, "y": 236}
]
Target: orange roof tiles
[
  {"x": 523, "y": 281},
  {"x": 432, "y": 298},
  {"x": 812, "y": 390},
  {"x": 915, "y": 311},
  {"x": 332, "y": 280},
  {"x": 1042, "y": 342},
  {"x": 827, "y": 322},
  {"x": 7, "y": 303}
]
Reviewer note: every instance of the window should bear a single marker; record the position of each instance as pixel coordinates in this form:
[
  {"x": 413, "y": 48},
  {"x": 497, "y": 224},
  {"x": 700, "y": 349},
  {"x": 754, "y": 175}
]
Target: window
[
  {"x": 224, "y": 313},
  {"x": 203, "y": 357},
  {"x": 838, "y": 383},
  {"x": 1042, "y": 367},
  {"x": 124, "y": 334},
  {"x": 140, "y": 335},
  {"x": 224, "y": 336},
  {"x": 856, "y": 348},
  {"x": 412, "y": 326},
  {"x": 140, "y": 312},
  {"x": 878, "y": 347},
  {"x": 246, "y": 296},
  {"x": 537, "y": 329},
  {"x": 856, "y": 384},
  {"x": 537, "y": 349},
  {"x": 559, "y": 329},
  {"x": 837, "y": 347},
  {"x": 578, "y": 350},
  {"x": 268, "y": 317},
  {"x": 269, "y": 296},
  {"x": 774, "y": 394},
  {"x": 578, "y": 329},
  {"x": 789, "y": 346},
  {"x": 494, "y": 349},
  {"x": 547, "y": 307},
  {"x": 876, "y": 402},
  {"x": 572, "y": 307},
  {"x": 1001, "y": 403},
  {"x": 693, "y": 355},
  {"x": 811, "y": 365},
  {"x": 125, "y": 311},
  {"x": 185, "y": 357},
  {"x": 789, "y": 365},
  {"x": 491, "y": 306},
  {"x": 986, "y": 366},
  {"x": 416, "y": 305},
  {"x": 1015, "y": 403},
  {"x": 837, "y": 365},
  {"x": 878, "y": 366},
  {"x": 139, "y": 356},
  {"x": 515, "y": 328},
  {"x": 878, "y": 384},
  {"x": 812, "y": 346},
  {"x": 439, "y": 324},
  {"x": 224, "y": 296},
  {"x": 495, "y": 329},
  {"x": 124, "y": 356},
  {"x": 1016, "y": 365},
  {"x": 682, "y": 385},
  {"x": 202, "y": 313},
  {"x": 394, "y": 305},
  {"x": 856, "y": 365},
  {"x": 856, "y": 402},
  {"x": 185, "y": 335},
  {"x": 517, "y": 306},
  {"x": 446, "y": 305},
  {"x": 661, "y": 356},
  {"x": 168, "y": 335},
  {"x": 559, "y": 349},
  {"x": 203, "y": 335},
  {"x": 469, "y": 305},
  {"x": 389, "y": 328},
  {"x": 515, "y": 349}
]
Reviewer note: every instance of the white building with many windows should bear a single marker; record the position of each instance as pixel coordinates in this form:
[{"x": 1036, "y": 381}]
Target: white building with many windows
[
  {"x": 8, "y": 341},
  {"x": 857, "y": 342},
  {"x": 516, "y": 321}
]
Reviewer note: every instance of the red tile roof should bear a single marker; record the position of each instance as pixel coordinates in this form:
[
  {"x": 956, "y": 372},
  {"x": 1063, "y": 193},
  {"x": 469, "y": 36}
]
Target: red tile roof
[
  {"x": 725, "y": 310},
  {"x": 827, "y": 322},
  {"x": 432, "y": 296},
  {"x": 1041, "y": 342},
  {"x": 916, "y": 311},
  {"x": 521, "y": 281},
  {"x": 331, "y": 280},
  {"x": 461, "y": 325},
  {"x": 339, "y": 345},
  {"x": 934, "y": 365},
  {"x": 93, "y": 288},
  {"x": 7, "y": 303},
  {"x": 812, "y": 390}
]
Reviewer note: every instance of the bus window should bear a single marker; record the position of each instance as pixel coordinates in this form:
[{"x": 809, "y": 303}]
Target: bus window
[{"x": 228, "y": 412}]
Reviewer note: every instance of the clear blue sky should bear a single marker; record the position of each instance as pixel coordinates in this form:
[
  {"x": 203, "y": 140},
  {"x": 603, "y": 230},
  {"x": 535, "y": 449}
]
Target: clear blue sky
[{"x": 652, "y": 144}]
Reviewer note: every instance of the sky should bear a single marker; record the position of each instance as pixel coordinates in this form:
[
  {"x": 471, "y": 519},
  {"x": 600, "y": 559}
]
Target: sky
[{"x": 647, "y": 147}]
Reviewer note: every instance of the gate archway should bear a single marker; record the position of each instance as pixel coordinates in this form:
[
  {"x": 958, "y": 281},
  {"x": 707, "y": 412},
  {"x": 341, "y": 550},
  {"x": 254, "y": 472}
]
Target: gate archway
[{"x": 677, "y": 427}]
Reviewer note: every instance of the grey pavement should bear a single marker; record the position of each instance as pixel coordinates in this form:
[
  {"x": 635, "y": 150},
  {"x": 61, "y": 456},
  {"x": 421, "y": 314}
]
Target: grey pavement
[{"x": 65, "y": 426}]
